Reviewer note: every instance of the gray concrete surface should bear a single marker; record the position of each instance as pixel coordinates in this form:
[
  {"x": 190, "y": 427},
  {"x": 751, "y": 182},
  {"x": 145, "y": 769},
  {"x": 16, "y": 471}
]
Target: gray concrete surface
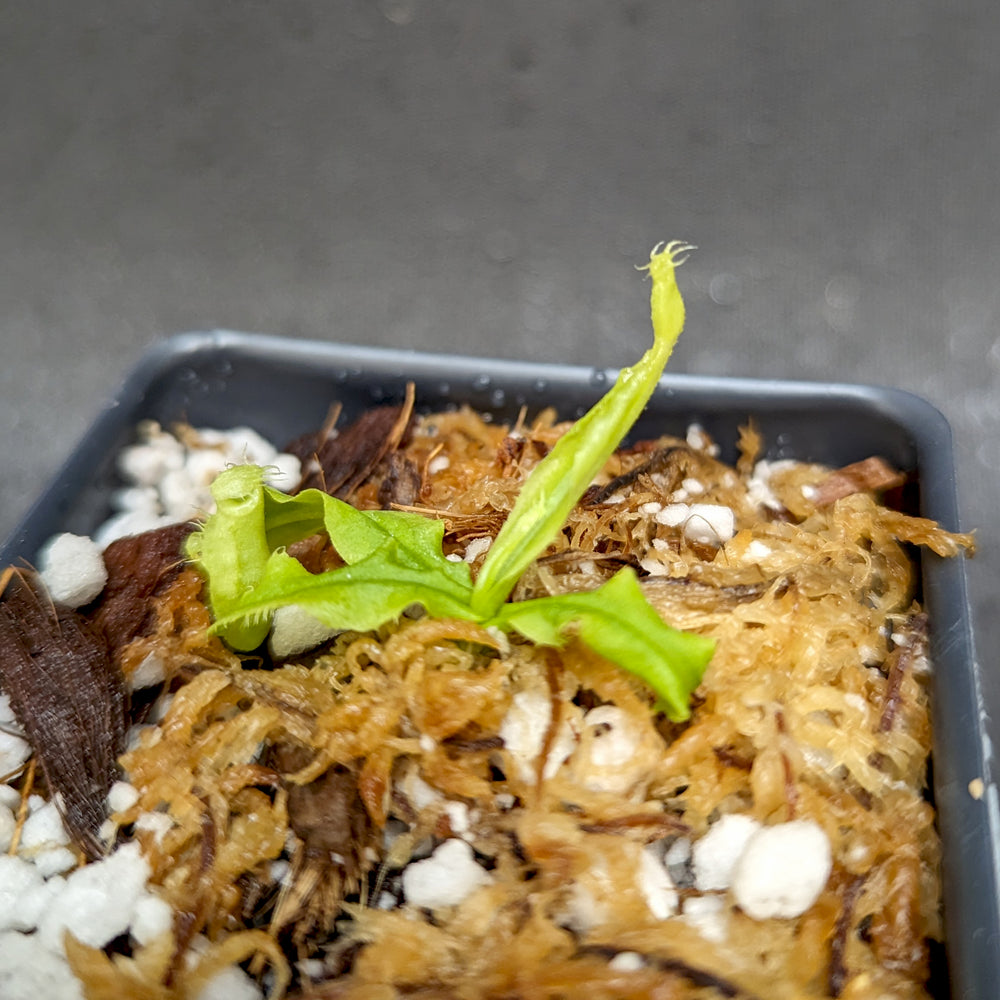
[{"x": 482, "y": 176}]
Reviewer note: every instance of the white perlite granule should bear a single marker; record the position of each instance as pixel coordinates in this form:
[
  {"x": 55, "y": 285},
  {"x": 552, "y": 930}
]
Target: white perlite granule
[
  {"x": 447, "y": 877},
  {"x": 782, "y": 870},
  {"x": 30, "y": 971},
  {"x": 715, "y": 855},
  {"x": 655, "y": 884},
  {"x": 72, "y": 569},
  {"x": 97, "y": 902}
]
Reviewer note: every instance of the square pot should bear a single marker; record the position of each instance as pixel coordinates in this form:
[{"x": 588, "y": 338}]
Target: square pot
[{"x": 283, "y": 388}]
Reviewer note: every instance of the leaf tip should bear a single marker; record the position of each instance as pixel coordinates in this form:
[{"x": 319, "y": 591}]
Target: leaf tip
[{"x": 665, "y": 257}]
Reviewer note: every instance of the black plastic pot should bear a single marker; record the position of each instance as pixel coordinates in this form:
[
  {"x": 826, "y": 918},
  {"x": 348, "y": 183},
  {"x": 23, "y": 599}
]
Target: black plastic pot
[{"x": 283, "y": 388}]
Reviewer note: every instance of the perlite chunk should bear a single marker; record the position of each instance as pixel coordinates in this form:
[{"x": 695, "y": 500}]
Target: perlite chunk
[
  {"x": 72, "y": 569},
  {"x": 783, "y": 870},
  {"x": 447, "y": 877}
]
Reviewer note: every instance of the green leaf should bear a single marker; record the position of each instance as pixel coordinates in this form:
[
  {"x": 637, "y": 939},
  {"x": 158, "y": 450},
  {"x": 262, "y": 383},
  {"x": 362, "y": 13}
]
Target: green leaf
[
  {"x": 394, "y": 559},
  {"x": 232, "y": 548},
  {"x": 559, "y": 480},
  {"x": 617, "y": 622},
  {"x": 363, "y": 596},
  {"x": 355, "y": 534}
]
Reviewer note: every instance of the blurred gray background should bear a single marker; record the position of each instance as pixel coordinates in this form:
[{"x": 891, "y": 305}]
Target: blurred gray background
[{"x": 482, "y": 177}]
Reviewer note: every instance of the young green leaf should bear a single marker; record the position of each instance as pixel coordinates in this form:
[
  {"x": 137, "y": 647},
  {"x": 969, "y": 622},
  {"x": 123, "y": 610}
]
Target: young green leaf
[
  {"x": 363, "y": 596},
  {"x": 617, "y": 621},
  {"x": 232, "y": 548},
  {"x": 394, "y": 559},
  {"x": 559, "y": 480}
]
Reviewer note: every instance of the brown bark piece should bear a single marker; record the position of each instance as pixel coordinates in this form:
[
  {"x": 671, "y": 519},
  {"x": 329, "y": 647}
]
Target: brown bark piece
[
  {"x": 338, "y": 462},
  {"x": 870, "y": 475},
  {"x": 138, "y": 567}
]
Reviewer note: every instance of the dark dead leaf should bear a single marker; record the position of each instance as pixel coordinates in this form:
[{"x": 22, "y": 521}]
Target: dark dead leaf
[
  {"x": 672, "y": 462},
  {"x": 68, "y": 697},
  {"x": 328, "y": 813},
  {"x": 402, "y": 483},
  {"x": 900, "y": 662}
]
